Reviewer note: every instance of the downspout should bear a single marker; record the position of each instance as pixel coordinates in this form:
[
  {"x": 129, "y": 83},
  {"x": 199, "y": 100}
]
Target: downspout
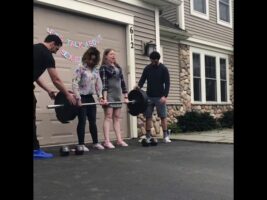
[
  {"x": 180, "y": 15},
  {"x": 157, "y": 29}
]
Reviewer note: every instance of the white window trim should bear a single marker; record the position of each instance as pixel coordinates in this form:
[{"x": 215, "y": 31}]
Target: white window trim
[
  {"x": 199, "y": 14},
  {"x": 221, "y": 22},
  {"x": 202, "y": 75},
  {"x": 204, "y": 44}
]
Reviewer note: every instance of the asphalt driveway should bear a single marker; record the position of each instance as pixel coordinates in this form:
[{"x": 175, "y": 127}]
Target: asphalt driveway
[{"x": 180, "y": 170}]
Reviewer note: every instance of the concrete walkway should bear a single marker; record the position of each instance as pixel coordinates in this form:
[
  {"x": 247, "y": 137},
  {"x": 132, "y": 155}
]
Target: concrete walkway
[{"x": 215, "y": 136}]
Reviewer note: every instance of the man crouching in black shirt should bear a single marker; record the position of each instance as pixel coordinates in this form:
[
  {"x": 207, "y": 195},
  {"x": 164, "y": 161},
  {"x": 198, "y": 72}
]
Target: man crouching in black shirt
[{"x": 43, "y": 60}]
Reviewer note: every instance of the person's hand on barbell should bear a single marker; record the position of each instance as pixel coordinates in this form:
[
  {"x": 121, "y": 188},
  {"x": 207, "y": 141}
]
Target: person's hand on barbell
[
  {"x": 71, "y": 98},
  {"x": 163, "y": 100},
  {"x": 136, "y": 87},
  {"x": 52, "y": 94},
  {"x": 105, "y": 102},
  {"x": 126, "y": 100},
  {"x": 79, "y": 102},
  {"x": 101, "y": 101}
]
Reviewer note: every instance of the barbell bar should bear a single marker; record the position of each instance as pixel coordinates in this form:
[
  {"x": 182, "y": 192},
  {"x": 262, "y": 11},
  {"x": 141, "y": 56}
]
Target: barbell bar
[{"x": 87, "y": 104}]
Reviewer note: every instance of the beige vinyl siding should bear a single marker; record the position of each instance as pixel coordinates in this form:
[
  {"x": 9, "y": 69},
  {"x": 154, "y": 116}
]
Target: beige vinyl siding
[
  {"x": 171, "y": 61},
  {"x": 144, "y": 28},
  {"x": 208, "y": 30},
  {"x": 170, "y": 13}
]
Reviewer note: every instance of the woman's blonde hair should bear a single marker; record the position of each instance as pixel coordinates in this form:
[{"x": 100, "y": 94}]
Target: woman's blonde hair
[{"x": 104, "y": 60}]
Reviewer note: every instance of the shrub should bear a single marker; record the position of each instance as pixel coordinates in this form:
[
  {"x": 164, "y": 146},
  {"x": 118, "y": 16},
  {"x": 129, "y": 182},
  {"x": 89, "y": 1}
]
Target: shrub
[
  {"x": 227, "y": 119},
  {"x": 174, "y": 128},
  {"x": 195, "y": 121}
]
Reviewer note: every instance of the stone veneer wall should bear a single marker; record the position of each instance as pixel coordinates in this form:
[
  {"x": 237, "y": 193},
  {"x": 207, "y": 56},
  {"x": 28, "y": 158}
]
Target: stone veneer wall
[{"x": 185, "y": 104}]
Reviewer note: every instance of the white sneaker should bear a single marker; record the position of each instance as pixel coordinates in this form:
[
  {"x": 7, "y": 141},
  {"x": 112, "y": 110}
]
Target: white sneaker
[
  {"x": 98, "y": 146},
  {"x": 167, "y": 139},
  {"x": 85, "y": 148}
]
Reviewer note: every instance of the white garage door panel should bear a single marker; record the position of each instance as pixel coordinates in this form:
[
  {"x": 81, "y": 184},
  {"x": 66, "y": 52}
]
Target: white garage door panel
[{"x": 77, "y": 28}]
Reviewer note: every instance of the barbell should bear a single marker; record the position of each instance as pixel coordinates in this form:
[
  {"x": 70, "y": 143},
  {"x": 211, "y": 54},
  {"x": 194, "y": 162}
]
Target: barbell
[
  {"x": 86, "y": 104},
  {"x": 66, "y": 112}
]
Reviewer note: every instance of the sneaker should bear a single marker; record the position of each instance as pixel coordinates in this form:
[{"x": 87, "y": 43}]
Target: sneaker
[
  {"x": 122, "y": 144},
  {"x": 167, "y": 139},
  {"x": 148, "y": 139},
  {"x": 40, "y": 154},
  {"x": 108, "y": 145},
  {"x": 153, "y": 141},
  {"x": 84, "y": 148},
  {"x": 98, "y": 146}
]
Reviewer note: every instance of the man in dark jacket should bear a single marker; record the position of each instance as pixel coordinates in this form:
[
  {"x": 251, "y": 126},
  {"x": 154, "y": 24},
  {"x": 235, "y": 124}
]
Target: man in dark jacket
[
  {"x": 158, "y": 85},
  {"x": 43, "y": 60}
]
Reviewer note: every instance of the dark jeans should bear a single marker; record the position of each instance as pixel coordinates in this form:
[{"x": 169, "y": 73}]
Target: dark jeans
[
  {"x": 36, "y": 145},
  {"x": 90, "y": 113}
]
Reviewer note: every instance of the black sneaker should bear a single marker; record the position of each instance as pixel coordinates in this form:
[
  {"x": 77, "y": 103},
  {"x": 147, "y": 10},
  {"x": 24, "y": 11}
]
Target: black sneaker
[
  {"x": 146, "y": 142},
  {"x": 153, "y": 141}
]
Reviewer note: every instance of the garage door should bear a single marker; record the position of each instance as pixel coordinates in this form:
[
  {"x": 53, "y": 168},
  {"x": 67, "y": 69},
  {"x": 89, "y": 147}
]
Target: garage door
[{"x": 78, "y": 32}]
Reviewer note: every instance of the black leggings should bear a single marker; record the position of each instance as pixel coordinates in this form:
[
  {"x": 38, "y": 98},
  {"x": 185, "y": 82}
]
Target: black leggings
[
  {"x": 36, "y": 145},
  {"x": 90, "y": 113}
]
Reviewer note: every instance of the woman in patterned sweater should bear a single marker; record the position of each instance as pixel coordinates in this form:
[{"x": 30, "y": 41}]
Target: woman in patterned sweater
[{"x": 86, "y": 82}]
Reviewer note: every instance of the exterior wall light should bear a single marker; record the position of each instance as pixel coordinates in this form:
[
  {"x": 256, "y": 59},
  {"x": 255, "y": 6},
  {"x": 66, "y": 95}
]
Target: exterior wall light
[{"x": 149, "y": 47}]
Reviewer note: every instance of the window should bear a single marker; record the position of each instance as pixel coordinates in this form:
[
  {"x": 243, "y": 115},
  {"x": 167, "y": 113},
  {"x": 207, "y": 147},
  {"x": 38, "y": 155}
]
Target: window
[
  {"x": 209, "y": 77},
  {"x": 223, "y": 80},
  {"x": 224, "y": 11},
  {"x": 196, "y": 74},
  {"x": 224, "y": 15},
  {"x": 200, "y": 8}
]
